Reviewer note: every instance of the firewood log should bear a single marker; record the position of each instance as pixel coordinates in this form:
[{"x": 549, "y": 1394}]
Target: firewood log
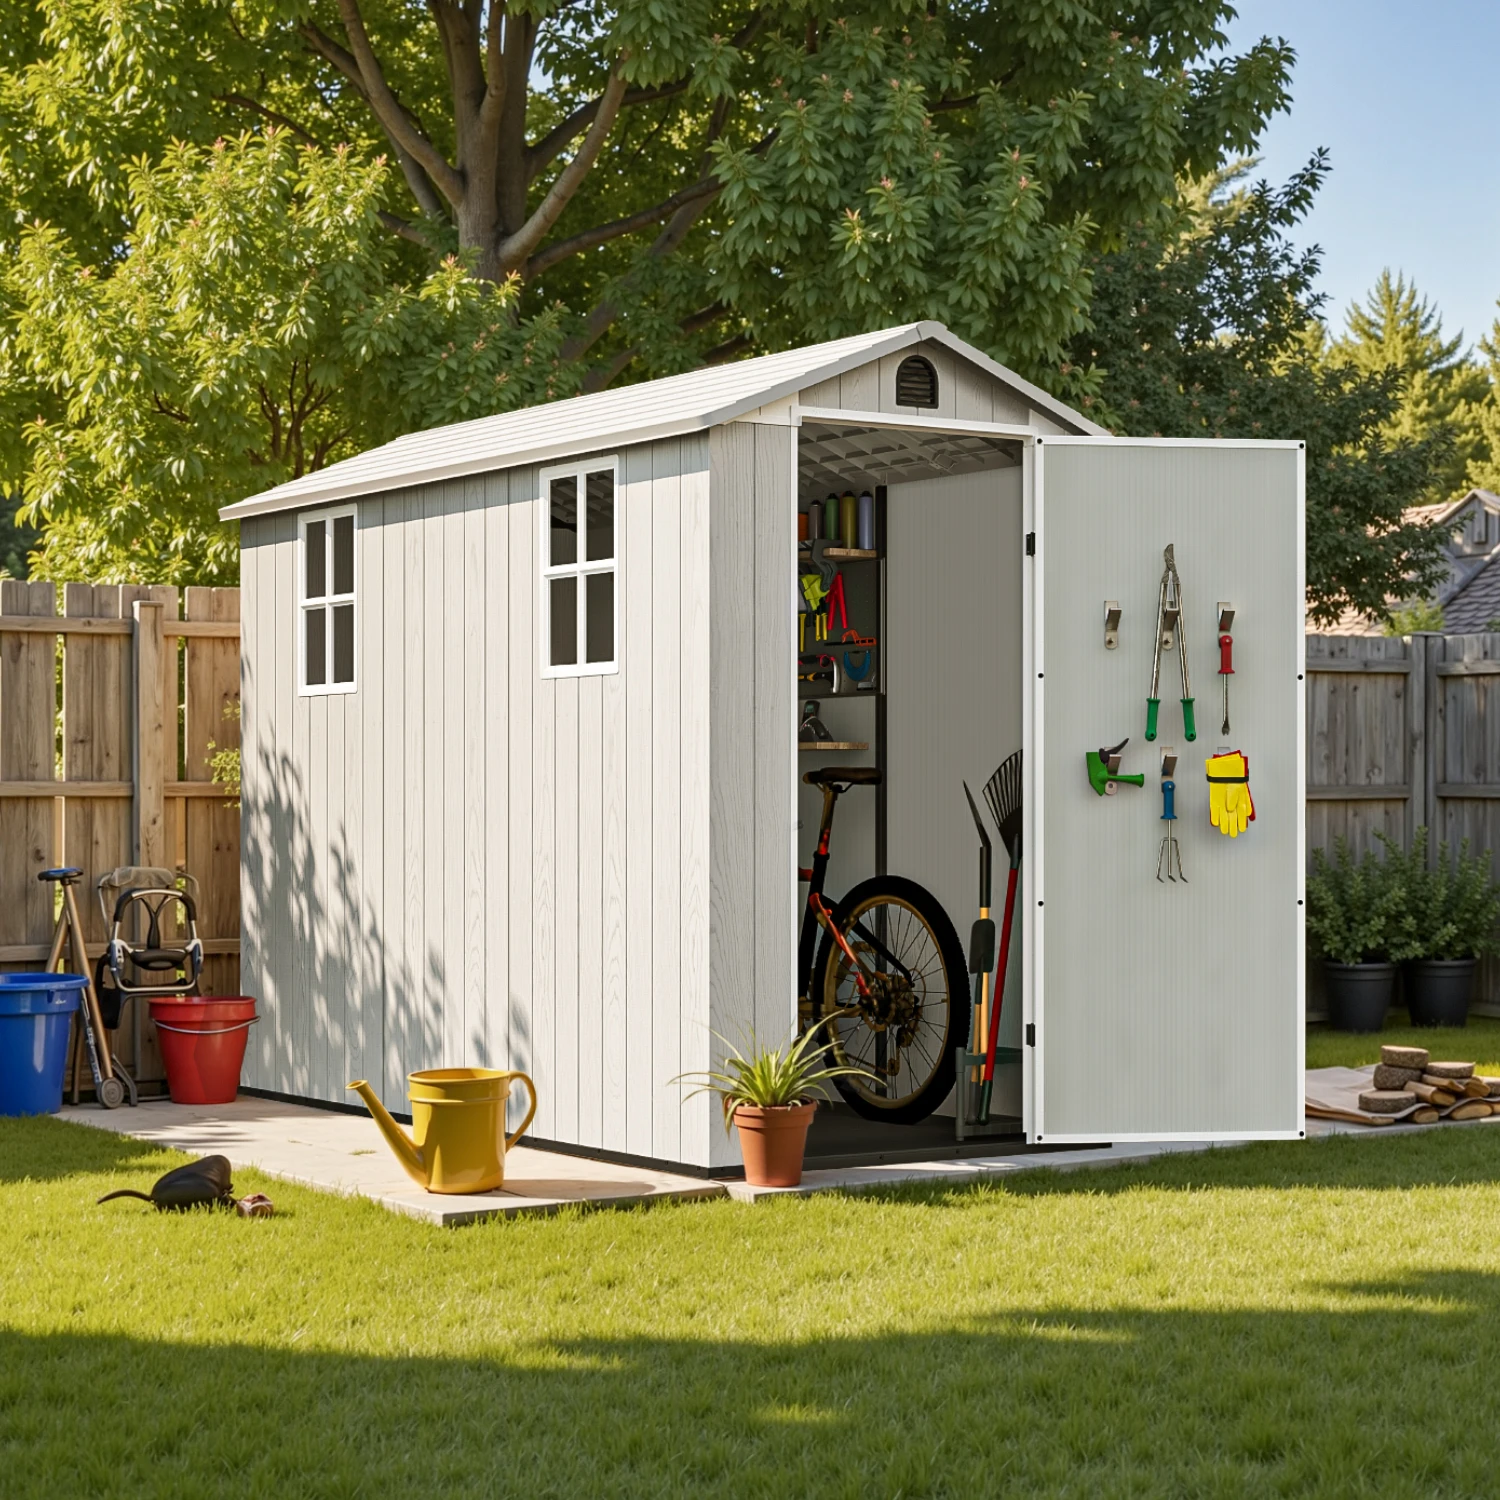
[
  {"x": 1386, "y": 1101},
  {"x": 1404, "y": 1057},
  {"x": 1448, "y": 1086},
  {"x": 1450, "y": 1069},
  {"x": 1494, "y": 1086},
  {"x": 1470, "y": 1109},
  {"x": 1430, "y": 1093},
  {"x": 1475, "y": 1088},
  {"x": 1387, "y": 1077},
  {"x": 1427, "y": 1115}
]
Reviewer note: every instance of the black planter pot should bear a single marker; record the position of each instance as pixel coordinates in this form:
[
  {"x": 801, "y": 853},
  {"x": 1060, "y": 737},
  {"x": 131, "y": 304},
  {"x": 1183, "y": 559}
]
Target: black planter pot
[
  {"x": 1438, "y": 990},
  {"x": 1358, "y": 994}
]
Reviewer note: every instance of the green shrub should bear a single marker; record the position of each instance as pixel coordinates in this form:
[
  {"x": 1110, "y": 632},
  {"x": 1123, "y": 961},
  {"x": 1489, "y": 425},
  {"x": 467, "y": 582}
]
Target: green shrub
[
  {"x": 1453, "y": 906},
  {"x": 1356, "y": 909}
]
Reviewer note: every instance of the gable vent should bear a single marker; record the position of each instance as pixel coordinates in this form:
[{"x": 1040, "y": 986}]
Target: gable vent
[{"x": 916, "y": 383}]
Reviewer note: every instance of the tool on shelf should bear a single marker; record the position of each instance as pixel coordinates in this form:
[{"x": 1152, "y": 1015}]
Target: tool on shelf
[
  {"x": 1104, "y": 770},
  {"x": 1168, "y": 631},
  {"x": 1169, "y": 856},
  {"x": 1003, "y": 794},
  {"x": 1231, "y": 808},
  {"x": 1226, "y": 655},
  {"x": 982, "y": 934},
  {"x": 812, "y": 730}
]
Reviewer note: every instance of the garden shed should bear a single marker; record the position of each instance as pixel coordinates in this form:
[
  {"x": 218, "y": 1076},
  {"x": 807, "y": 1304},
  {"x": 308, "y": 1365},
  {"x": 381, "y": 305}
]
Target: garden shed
[{"x": 523, "y": 745}]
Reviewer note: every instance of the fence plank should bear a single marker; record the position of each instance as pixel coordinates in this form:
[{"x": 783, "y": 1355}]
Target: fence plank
[{"x": 28, "y": 706}]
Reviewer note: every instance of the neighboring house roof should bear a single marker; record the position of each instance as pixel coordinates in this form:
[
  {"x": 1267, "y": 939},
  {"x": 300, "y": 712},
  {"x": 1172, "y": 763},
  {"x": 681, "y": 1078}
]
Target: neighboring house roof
[{"x": 641, "y": 413}]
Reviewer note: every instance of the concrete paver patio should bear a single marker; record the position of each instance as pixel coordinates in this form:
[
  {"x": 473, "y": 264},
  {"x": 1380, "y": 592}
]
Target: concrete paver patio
[{"x": 345, "y": 1153}]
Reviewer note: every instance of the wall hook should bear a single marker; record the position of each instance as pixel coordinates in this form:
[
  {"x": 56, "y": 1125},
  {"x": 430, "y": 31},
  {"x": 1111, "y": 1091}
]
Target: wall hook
[
  {"x": 1111, "y": 624},
  {"x": 1226, "y": 617}
]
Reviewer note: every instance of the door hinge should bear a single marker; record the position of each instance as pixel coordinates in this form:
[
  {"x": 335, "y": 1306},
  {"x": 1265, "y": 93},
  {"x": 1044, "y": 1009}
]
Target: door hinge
[
  {"x": 1031, "y": 1033},
  {"x": 1031, "y": 544}
]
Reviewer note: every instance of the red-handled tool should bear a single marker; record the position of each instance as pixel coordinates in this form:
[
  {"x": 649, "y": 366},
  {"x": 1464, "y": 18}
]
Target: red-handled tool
[{"x": 1226, "y": 667}]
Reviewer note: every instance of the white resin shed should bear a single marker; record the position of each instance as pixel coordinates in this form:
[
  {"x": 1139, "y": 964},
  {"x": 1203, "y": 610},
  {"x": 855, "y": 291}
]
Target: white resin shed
[{"x": 521, "y": 770}]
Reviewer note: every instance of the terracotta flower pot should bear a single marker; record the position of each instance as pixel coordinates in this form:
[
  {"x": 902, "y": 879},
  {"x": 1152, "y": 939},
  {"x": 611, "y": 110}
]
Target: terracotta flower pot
[{"x": 772, "y": 1142}]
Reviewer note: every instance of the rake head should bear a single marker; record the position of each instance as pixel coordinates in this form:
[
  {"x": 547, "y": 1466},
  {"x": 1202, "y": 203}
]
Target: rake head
[{"x": 1002, "y": 792}]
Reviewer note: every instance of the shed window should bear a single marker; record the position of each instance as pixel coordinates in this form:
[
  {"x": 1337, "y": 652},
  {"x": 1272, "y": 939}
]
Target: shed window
[
  {"x": 916, "y": 382},
  {"x": 326, "y": 602},
  {"x": 578, "y": 569}
]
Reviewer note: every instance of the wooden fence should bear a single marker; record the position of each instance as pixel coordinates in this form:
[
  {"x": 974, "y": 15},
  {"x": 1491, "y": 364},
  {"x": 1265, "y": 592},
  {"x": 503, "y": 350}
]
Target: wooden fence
[
  {"x": 107, "y": 714},
  {"x": 1401, "y": 735}
]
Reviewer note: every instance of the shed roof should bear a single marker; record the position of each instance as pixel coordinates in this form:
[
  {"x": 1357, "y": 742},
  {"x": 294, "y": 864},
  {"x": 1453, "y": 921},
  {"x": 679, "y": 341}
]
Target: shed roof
[{"x": 641, "y": 413}]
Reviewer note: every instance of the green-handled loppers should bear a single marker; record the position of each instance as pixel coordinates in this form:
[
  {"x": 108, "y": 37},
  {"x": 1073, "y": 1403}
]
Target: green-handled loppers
[{"x": 1169, "y": 631}]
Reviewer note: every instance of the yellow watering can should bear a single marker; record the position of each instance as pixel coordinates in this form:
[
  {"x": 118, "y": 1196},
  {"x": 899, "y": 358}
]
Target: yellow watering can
[{"x": 458, "y": 1118}]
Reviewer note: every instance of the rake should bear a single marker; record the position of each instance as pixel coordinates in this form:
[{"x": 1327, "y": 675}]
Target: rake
[{"x": 1003, "y": 794}]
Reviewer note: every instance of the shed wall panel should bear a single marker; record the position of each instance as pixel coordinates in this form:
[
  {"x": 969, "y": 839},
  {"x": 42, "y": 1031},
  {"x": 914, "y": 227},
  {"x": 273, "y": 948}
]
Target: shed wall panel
[{"x": 463, "y": 862}]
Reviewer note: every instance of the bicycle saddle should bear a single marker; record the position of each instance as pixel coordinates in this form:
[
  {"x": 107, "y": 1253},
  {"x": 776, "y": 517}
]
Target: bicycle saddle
[
  {"x": 67, "y": 876},
  {"x": 845, "y": 775}
]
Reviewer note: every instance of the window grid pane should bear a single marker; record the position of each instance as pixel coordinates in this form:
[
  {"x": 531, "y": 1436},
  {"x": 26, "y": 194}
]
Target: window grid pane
[
  {"x": 563, "y": 532},
  {"x": 343, "y": 643},
  {"x": 563, "y": 606},
  {"x": 343, "y": 554},
  {"x": 600, "y": 502},
  {"x": 316, "y": 583},
  {"x": 599, "y": 617},
  {"x": 316, "y": 622}
]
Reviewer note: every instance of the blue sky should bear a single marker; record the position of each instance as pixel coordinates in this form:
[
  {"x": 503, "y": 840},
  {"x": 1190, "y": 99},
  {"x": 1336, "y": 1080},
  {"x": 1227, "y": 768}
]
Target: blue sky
[{"x": 1404, "y": 97}]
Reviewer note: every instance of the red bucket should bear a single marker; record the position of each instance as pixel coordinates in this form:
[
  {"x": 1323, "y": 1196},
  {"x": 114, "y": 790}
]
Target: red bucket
[{"x": 203, "y": 1045}]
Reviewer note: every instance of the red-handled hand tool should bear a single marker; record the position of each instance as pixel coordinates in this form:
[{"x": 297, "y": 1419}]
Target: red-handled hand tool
[{"x": 1226, "y": 671}]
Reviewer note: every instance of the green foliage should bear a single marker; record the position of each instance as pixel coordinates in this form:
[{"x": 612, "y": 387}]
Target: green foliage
[
  {"x": 260, "y": 322},
  {"x": 770, "y": 1077},
  {"x": 1356, "y": 908},
  {"x": 1409, "y": 619},
  {"x": 16, "y": 540},
  {"x": 1212, "y": 330},
  {"x": 1397, "y": 331},
  {"x": 224, "y": 760},
  {"x": 1450, "y": 907}
]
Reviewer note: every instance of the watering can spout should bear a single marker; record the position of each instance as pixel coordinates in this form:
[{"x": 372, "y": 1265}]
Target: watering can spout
[{"x": 398, "y": 1140}]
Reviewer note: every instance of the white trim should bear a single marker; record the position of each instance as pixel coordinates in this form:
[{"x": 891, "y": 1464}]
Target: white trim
[
  {"x": 1229, "y": 1137},
  {"x": 326, "y": 602},
  {"x": 1033, "y": 789},
  {"x": 582, "y": 569},
  {"x": 794, "y": 770},
  {"x": 1170, "y": 442},
  {"x": 1300, "y": 657},
  {"x": 952, "y": 427}
]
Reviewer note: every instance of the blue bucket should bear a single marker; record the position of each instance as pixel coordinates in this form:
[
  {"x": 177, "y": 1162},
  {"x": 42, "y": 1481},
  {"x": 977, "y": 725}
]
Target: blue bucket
[{"x": 36, "y": 1011}]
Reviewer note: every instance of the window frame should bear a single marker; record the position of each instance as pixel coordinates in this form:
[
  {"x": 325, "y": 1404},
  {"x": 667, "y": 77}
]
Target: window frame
[
  {"x": 579, "y": 470},
  {"x": 325, "y": 602}
]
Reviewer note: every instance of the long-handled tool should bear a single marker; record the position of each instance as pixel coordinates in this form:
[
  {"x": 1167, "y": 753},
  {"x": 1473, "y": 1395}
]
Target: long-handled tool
[
  {"x": 982, "y": 934},
  {"x": 112, "y": 1084},
  {"x": 1169, "y": 633},
  {"x": 1003, "y": 793},
  {"x": 1169, "y": 856}
]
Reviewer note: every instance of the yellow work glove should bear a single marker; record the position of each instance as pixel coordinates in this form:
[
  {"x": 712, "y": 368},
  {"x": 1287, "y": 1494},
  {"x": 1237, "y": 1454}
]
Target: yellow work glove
[{"x": 1230, "y": 807}]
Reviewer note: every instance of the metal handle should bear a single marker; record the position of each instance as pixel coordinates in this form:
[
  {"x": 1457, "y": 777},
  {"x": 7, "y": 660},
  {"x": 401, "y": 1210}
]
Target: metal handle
[{"x": 212, "y": 1031}]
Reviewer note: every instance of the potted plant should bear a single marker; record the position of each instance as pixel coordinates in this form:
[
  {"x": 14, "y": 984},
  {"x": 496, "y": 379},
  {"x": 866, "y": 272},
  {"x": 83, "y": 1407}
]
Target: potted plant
[
  {"x": 1356, "y": 916},
  {"x": 1454, "y": 906},
  {"x": 770, "y": 1095}
]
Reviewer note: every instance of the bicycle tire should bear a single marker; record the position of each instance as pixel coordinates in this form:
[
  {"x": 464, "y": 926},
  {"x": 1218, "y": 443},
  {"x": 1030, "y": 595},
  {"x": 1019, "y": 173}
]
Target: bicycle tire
[{"x": 894, "y": 892}]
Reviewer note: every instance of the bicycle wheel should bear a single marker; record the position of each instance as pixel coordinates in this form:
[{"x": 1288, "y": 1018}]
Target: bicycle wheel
[{"x": 917, "y": 1012}]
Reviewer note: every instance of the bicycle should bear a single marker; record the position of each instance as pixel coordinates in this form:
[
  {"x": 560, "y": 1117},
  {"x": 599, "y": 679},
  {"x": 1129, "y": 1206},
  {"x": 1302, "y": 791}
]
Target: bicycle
[{"x": 889, "y": 979}]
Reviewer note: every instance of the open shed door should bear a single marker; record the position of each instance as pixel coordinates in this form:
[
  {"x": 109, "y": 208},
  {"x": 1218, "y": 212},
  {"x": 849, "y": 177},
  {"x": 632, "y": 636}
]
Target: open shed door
[{"x": 1163, "y": 1009}]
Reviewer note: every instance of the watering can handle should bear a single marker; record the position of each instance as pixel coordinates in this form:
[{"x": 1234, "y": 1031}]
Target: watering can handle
[{"x": 511, "y": 1139}]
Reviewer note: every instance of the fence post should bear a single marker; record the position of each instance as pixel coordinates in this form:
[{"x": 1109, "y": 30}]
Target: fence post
[
  {"x": 150, "y": 734},
  {"x": 1434, "y": 750},
  {"x": 1416, "y": 736}
]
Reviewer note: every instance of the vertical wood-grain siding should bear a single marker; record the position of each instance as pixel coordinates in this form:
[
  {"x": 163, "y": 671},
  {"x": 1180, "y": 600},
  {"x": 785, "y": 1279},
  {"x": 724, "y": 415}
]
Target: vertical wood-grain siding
[{"x": 464, "y": 863}]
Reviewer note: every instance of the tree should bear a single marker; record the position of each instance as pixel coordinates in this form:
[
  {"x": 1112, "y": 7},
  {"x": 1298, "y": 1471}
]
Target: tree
[
  {"x": 1441, "y": 387},
  {"x": 256, "y": 323},
  {"x": 1213, "y": 331},
  {"x": 695, "y": 180}
]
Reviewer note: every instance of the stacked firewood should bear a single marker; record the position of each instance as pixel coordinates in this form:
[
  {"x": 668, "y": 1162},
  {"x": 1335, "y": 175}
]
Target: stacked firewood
[{"x": 1409, "y": 1083}]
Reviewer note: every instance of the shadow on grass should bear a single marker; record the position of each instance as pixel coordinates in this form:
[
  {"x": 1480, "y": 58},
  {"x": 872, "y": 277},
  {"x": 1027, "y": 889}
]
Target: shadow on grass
[
  {"x": 1390, "y": 1384},
  {"x": 43, "y": 1150}
]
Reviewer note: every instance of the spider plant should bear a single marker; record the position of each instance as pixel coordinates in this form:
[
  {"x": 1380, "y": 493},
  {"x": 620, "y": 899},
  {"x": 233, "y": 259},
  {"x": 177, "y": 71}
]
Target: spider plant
[{"x": 770, "y": 1077}]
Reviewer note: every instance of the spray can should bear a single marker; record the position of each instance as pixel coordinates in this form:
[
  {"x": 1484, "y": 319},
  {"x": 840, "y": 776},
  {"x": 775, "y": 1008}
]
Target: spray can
[
  {"x": 867, "y": 522},
  {"x": 831, "y": 518},
  {"x": 849, "y": 522},
  {"x": 802, "y": 525}
]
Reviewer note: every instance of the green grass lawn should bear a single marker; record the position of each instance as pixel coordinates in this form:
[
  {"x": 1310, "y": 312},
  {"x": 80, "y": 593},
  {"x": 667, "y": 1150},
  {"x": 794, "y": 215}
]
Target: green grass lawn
[
  {"x": 1278, "y": 1319},
  {"x": 1478, "y": 1042}
]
